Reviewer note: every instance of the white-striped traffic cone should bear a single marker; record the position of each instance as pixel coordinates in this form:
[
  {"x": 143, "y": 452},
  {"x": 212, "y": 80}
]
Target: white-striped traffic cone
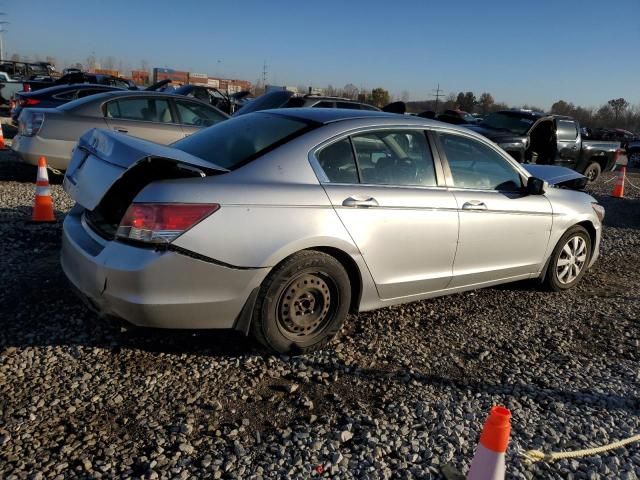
[
  {"x": 43, "y": 204},
  {"x": 488, "y": 461}
]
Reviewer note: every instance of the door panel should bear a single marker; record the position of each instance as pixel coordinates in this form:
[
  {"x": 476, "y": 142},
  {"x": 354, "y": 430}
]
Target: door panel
[
  {"x": 503, "y": 231},
  {"x": 408, "y": 240},
  {"x": 144, "y": 117},
  {"x": 568, "y": 143},
  {"x": 501, "y": 235}
]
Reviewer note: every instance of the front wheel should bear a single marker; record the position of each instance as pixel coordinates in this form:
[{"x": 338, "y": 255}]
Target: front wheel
[
  {"x": 302, "y": 303},
  {"x": 593, "y": 171},
  {"x": 569, "y": 260}
]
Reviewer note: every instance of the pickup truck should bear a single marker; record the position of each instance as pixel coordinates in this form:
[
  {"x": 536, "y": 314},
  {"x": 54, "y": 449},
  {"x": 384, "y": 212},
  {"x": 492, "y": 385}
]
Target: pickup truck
[
  {"x": 633, "y": 154},
  {"x": 535, "y": 137}
]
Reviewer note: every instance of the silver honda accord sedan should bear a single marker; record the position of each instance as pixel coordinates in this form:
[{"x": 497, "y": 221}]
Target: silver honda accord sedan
[{"x": 280, "y": 223}]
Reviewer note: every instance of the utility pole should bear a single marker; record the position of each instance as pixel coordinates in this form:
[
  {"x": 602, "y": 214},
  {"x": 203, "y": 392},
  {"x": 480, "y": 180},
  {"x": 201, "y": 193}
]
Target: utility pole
[
  {"x": 264, "y": 74},
  {"x": 437, "y": 95},
  {"x": 2, "y": 31}
]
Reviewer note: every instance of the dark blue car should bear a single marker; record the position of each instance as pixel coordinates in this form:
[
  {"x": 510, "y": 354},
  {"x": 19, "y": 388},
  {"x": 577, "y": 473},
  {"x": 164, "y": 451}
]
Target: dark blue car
[{"x": 52, "y": 97}]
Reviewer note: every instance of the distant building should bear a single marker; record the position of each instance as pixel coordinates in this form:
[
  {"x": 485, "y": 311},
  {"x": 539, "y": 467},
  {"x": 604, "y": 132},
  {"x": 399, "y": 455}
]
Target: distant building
[
  {"x": 177, "y": 77},
  {"x": 140, "y": 77},
  {"x": 288, "y": 88},
  {"x": 106, "y": 71}
]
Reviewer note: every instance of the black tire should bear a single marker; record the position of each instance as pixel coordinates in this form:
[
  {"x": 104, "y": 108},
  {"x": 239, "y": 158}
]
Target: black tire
[
  {"x": 302, "y": 303},
  {"x": 633, "y": 159},
  {"x": 593, "y": 171},
  {"x": 553, "y": 279}
]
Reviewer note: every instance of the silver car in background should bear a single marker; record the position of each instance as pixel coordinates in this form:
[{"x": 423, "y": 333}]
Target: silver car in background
[
  {"x": 155, "y": 116},
  {"x": 279, "y": 223}
]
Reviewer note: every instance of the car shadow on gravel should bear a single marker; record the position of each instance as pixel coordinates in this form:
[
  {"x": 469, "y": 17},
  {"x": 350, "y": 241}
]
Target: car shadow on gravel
[{"x": 13, "y": 170}]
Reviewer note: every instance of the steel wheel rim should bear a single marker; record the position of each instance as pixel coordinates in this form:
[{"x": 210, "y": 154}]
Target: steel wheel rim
[
  {"x": 591, "y": 174},
  {"x": 571, "y": 260},
  {"x": 306, "y": 305},
  {"x": 634, "y": 159}
]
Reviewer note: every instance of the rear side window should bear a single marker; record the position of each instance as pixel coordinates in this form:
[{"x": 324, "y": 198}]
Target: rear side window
[
  {"x": 89, "y": 91},
  {"x": 353, "y": 106},
  {"x": 142, "y": 109},
  {"x": 235, "y": 142},
  {"x": 66, "y": 95},
  {"x": 195, "y": 114},
  {"x": 324, "y": 105},
  {"x": 566, "y": 130},
  {"x": 395, "y": 157},
  {"x": 338, "y": 163}
]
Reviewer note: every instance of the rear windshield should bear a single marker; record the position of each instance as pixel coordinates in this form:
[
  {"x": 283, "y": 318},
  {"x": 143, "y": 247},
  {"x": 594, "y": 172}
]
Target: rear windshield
[{"x": 235, "y": 142}]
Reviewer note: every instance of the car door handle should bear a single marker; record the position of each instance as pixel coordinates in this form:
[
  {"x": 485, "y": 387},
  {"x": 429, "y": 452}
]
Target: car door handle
[
  {"x": 474, "y": 205},
  {"x": 360, "y": 202},
  {"x": 121, "y": 130}
]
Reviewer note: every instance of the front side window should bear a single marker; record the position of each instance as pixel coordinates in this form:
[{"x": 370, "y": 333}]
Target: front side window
[
  {"x": 475, "y": 165},
  {"x": 338, "y": 163},
  {"x": 395, "y": 157},
  {"x": 142, "y": 109},
  {"x": 192, "y": 113},
  {"x": 566, "y": 130}
]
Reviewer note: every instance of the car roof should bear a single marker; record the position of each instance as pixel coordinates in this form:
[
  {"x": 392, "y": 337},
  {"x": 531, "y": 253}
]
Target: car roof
[
  {"x": 327, "y": 115},
  {"x": 64, "y": 88},
  {"x": 363, "y": 118}
]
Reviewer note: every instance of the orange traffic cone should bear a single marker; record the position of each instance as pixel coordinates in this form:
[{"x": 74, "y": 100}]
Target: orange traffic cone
[
  {"x": 488, "y": 461},
  {"x": 2, "y": 145},
  {"x": 618, "y": 188},
  {"x": 43, "y": 205}
]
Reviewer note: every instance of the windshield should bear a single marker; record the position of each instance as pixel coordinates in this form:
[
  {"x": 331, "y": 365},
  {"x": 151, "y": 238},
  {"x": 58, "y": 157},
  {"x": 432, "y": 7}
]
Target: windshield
[
  {"x": 504, "y": 121},
  {"x": 233, "y": 143},
  {"x": 266, "y": 102}
]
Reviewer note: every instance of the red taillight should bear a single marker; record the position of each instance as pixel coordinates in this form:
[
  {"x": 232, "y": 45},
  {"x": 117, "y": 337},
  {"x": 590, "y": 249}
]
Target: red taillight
[
  {"x": 26, "y": 87},
  {"x": 25, "y": 102},
  {"x": 162, "y": 223}
]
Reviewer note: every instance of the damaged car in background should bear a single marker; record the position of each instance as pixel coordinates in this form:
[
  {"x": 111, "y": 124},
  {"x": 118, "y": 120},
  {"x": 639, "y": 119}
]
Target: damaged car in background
[
  {"x": 535, "y": 137},
  {"x": 279, "y": 223},
  {"x": 160, "y": 117}
]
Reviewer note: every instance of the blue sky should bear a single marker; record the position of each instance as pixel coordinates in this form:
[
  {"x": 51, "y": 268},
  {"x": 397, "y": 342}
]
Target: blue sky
[{"x": 521, "y": 51}]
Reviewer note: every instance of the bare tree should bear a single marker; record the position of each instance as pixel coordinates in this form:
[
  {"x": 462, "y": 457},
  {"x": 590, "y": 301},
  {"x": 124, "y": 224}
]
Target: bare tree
[
  {"x": 350, "y": 91},
  {"x": 15, "y": 57},
  {"x": 404, "y": 96},
  {"x": 618, "y": 105},
  {"x": 144, "y": 65},
  {"x": 91, "y": 62},
  {"x": 485, "y": 102},
  {"x": 109, "y": 63}
]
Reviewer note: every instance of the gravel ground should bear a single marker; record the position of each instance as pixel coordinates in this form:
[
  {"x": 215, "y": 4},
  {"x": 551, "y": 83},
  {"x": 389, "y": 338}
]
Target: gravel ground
[{"x": 404, "y": 390}]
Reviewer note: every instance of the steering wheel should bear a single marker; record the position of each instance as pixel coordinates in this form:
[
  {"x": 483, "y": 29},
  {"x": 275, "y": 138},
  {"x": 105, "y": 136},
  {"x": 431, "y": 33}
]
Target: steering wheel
[{"x": 406, "y": 166}]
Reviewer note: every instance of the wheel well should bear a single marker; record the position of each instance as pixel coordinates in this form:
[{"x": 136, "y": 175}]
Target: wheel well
[
  {"x": 591, "y": 230},
  {"x": 600, "y": 160},
  {"x": 355, "y": 279}
]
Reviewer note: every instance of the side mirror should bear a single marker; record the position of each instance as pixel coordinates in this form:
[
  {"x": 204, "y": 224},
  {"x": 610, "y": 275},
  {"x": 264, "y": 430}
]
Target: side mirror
[{"x": 535, "y": 186}]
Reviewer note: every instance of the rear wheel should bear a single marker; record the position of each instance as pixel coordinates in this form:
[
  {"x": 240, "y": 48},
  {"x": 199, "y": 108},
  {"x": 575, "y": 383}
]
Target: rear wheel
[
  {"x": 302, "y": 303},
  {"x": 593, "y": 171},
  {"x": 634, "y": 159},
  {"x": 569, "y": 260}
]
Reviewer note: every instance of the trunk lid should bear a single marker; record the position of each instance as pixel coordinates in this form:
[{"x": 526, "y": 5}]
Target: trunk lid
[{"x": 102, "y": 158}]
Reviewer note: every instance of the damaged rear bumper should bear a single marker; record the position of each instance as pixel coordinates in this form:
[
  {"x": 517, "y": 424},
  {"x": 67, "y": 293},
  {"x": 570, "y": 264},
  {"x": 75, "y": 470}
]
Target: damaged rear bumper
[{"x": 152, "y": 288}]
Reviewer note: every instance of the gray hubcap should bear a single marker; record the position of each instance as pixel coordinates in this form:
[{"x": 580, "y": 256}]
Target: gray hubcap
[{"x": 572, "y": 259}]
